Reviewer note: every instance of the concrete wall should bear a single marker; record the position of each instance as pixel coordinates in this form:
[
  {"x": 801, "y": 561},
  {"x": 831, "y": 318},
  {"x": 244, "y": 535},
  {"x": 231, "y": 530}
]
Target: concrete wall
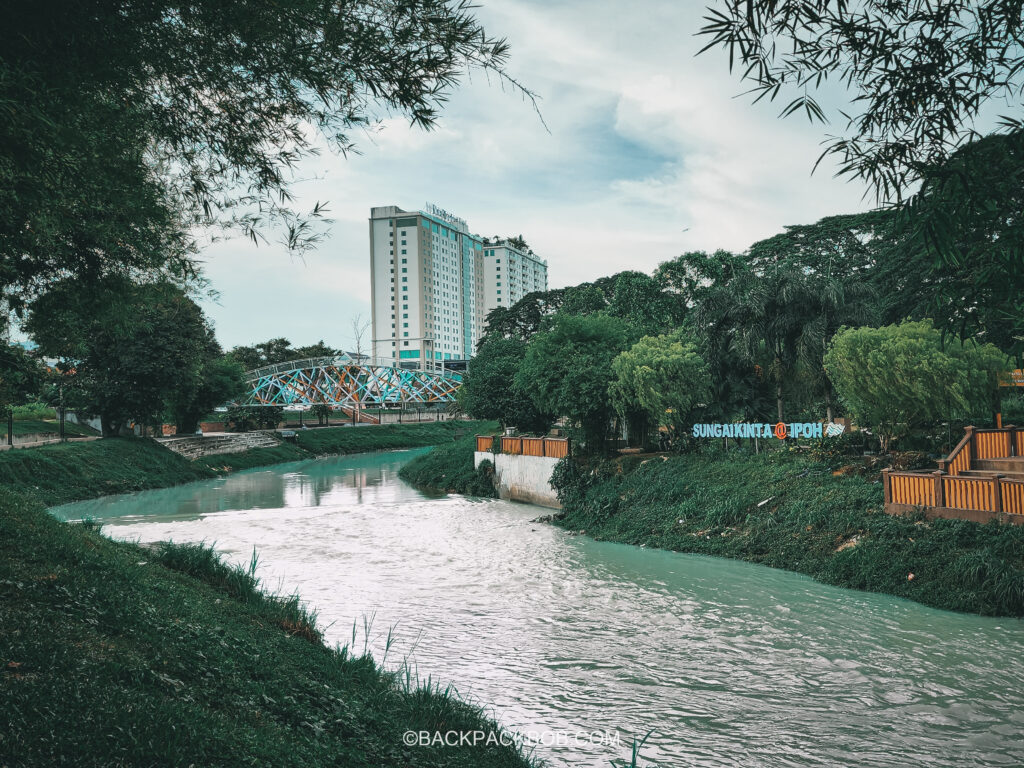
[{"x": 522, "y": 478}]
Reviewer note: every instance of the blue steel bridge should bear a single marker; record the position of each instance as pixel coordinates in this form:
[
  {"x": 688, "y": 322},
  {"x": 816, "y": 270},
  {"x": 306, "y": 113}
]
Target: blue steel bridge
[{"x": 343, "y": 382}]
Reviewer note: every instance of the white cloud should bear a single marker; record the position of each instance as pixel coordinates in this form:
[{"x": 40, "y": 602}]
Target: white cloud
[{"x": 645, "y": 141}]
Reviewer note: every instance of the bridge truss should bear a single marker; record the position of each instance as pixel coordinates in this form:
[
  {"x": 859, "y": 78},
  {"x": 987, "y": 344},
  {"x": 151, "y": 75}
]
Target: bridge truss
[{"x": 342, "y": 381}]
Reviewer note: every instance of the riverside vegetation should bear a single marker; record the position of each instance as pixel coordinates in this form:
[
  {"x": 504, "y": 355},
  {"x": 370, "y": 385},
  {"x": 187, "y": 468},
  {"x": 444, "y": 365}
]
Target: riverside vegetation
[
  {"x": 783, "y": 509},
  {"x": 789, "y": 511},
  {"x": 450, "y": 468},
  {"x": 167, "y": 654},
  {"x": 113, "y": 653}
]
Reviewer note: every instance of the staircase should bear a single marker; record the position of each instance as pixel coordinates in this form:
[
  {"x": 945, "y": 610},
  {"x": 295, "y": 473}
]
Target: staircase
[
  {"x": 1010, "y": 466},
  {"x": 982, "y": 479},
  {"x": 193, "y": 447}
]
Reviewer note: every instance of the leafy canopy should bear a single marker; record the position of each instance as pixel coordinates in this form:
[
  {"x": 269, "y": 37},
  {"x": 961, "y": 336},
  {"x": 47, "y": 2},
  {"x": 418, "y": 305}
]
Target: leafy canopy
[
  {"x": 130, "y": 348},
  {"x": 129, "y": 124},
  {"x": 567, "y": 371},
  {"x": 919, "y": 72},
  {"x": 664, "y": 376},
  {"x": 490, "y": 391},
  {"x": 898, "y": 377}
]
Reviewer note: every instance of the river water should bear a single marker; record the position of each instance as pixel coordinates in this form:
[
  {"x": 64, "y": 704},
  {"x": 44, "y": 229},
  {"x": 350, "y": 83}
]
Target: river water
[{"x": 577, "y": 643}]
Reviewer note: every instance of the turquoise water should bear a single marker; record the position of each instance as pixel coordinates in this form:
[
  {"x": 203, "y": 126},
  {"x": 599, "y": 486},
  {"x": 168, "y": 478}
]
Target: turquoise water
[{"x": 585, "y": 642}]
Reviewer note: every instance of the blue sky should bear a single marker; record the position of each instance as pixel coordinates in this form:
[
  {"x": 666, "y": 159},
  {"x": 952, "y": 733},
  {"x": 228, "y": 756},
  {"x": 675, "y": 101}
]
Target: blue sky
[{"x": 650, "y": 152}]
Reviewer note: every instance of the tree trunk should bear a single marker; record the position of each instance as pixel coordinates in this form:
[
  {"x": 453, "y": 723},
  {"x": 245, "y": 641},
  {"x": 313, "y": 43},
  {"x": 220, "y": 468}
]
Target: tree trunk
[{"x": 778, "y": 400}]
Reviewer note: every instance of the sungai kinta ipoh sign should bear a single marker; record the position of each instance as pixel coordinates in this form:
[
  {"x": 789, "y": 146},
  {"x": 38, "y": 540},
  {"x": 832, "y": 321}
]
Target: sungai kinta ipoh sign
[{"x": 781, "y": 430}]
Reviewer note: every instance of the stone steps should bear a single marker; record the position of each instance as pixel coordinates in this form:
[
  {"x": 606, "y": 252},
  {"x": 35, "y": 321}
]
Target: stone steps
[{"x": 195, "y": 446}]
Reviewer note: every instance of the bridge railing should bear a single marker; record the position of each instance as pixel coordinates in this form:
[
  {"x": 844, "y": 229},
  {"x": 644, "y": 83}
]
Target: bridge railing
[
  {"x": 338, "y": 361},
  {"x": 291, "y": 365}
]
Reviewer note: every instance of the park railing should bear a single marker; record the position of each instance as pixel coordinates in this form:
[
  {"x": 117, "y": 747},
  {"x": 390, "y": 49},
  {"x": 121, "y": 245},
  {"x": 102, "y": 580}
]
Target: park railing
[
  {"x": 971, "y": 482},
  {"x": 549, "y": 447}
]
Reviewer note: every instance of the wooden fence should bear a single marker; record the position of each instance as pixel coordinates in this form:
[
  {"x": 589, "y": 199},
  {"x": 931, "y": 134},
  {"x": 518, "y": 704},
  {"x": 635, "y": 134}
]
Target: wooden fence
[
  {"x": 965, "y": 486},
  {"x": 940, "y": 495},
  {"x": 550, "y": 447},
  {"x": 1003, "y": 443}
]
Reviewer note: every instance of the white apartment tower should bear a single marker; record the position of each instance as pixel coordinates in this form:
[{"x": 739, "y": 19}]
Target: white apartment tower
[{"x": 433, "y": 283}]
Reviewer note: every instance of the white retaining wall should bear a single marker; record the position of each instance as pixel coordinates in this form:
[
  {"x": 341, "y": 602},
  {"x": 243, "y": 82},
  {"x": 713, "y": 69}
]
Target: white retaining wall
[{"x": 522, "y": 478}]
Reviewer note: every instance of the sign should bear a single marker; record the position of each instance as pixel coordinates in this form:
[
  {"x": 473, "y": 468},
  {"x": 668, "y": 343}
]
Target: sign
[
  {"x": 1012, "y": 378},
  {"x": 451, "y": 218}
]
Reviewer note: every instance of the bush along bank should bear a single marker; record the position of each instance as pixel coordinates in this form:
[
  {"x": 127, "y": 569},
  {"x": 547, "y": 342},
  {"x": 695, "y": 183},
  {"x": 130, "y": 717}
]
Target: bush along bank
[
  {"x": 449, "y": 468},
  {"x": 788, "y": 511},
  {"x": 61, "y": 473},
  {"x": 114, "y": 653}
]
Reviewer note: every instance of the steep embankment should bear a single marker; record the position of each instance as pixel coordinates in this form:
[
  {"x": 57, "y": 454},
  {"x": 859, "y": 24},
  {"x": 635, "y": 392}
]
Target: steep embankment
[
  {"x": 114, "y": 654},
  {"x": 450, "y": 468},
  {"x": 57, "y": 474},
  {"x": 790, "y": 512}
]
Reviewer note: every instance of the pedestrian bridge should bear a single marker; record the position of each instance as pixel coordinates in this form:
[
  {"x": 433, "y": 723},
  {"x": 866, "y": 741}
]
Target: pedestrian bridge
[{"x": 343, "y": 381}]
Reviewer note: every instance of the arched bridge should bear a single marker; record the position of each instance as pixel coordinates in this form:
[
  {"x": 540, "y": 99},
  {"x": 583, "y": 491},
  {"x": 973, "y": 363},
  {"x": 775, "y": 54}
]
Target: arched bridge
[{"x": 343, "y": 381}]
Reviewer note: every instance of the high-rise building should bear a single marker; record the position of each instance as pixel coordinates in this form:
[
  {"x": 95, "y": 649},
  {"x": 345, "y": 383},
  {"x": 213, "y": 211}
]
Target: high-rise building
[{"x": 433, "y": 283}]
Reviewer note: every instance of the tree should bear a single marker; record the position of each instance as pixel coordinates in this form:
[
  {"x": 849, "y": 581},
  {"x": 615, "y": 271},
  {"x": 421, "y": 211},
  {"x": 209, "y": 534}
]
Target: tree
[
  {"x": 268, "y": 352},
  {"x": 661, "y": 377},
  {"x": 320, "y": 349},
  {"x": 128, "y": 123},
  {"x": 920, "y": 72},
  {"x": 490, "y": 391},
  {"x": 960, "y": 255},
  {"x": 242, "y": 418},
  {"x": 133, "y": 348},
  {"x": 567, "y": 371},
  {"x": 21, "y": 375},
  {"x": 219, "y": 380},
  {"x": 524, "y": 318},
  {"x": 898, "y": 377},
  {"x": 641, "y": 300}
]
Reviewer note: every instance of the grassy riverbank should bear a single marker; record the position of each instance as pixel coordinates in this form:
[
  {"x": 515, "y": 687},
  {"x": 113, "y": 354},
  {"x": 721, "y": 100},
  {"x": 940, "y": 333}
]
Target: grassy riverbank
[
  {"x": 111, "y": 653},
  {"x": 450, "y": 468},
  {"x": 57, "y": 474},
  {"x": 788, "y": 511}
]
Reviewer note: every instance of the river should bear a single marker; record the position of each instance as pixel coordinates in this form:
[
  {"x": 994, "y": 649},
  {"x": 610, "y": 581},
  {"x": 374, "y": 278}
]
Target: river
[{"x": 577, "y": 643}]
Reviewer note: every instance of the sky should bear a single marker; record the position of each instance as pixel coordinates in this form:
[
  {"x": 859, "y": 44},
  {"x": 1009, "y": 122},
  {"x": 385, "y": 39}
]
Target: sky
[{"x": 645, "y": 151}]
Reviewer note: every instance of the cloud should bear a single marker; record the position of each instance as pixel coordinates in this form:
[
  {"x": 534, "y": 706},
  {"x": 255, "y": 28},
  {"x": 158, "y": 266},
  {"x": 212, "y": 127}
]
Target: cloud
[{"x": 647, "y": 154}]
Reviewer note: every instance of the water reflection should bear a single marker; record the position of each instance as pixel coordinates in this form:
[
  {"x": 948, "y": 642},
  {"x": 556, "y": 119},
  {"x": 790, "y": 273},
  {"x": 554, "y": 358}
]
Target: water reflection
[{"x": 364, "y": 478}]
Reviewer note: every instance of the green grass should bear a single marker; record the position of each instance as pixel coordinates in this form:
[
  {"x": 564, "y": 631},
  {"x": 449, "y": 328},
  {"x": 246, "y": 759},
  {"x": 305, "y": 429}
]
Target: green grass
[
  {"x": 115, "y": 654},
  {"x": 828, "y": 527},
  {"x": 450, "y": 468},
  {"x": 64, "y": 472}
]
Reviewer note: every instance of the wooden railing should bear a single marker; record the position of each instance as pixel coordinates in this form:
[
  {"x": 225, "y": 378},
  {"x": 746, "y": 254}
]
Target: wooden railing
[
  {"x": 550, "y": 447},
  {"x": 977, "y": 444},
  {"x": 949, "y": 492},
  {"x": 941, "y": 495}
]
